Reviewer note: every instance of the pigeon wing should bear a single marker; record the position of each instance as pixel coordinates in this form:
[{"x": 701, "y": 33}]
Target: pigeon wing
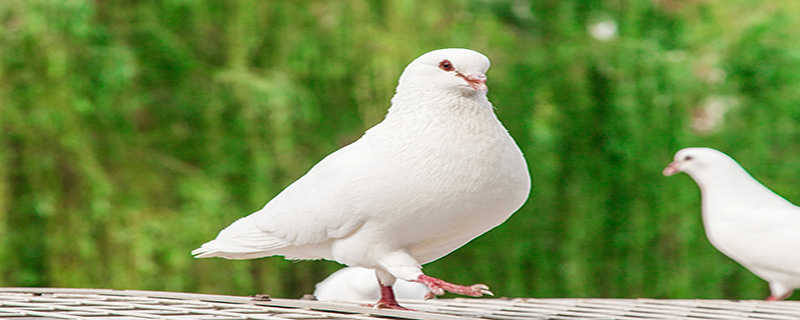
[
  {"x": 766, "y": 240},
  {"x": 316, "y": 208}
]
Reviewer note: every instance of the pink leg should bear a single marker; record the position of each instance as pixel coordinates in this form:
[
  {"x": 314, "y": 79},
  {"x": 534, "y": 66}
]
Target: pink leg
[
  {"x": 779, "y": 298},
  {"x": 438, "y": 287},
  {"x": 388, "y": 300}
]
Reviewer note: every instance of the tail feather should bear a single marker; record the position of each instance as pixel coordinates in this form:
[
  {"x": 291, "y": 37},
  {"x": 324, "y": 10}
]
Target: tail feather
[{"x": 240, "y": 240}]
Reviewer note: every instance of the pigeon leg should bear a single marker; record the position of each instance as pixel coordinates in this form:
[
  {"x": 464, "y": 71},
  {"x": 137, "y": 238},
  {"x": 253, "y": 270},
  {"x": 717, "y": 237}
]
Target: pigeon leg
[
  {"x": 388, "y": 300},
  {"x": 778, "y": 298},
  {"x": 439, "y": 286}
]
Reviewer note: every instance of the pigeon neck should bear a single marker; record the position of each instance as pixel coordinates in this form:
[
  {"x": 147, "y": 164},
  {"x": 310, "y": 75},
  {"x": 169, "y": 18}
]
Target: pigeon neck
[
  {"x": 731, "y": 184},
  {"x": 722, "y": 178},
  {"x": 426, "y": 102}
]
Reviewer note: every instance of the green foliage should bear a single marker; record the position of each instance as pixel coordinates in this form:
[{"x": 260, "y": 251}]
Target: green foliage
[{"x": 132, "y": 132}]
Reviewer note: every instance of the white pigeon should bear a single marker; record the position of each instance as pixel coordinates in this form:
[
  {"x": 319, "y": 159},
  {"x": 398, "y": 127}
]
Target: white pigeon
[
  {"x": 437, "y": 172},
  {"x": 744, "y": 219},
  {"x": 358, "y": 284}
]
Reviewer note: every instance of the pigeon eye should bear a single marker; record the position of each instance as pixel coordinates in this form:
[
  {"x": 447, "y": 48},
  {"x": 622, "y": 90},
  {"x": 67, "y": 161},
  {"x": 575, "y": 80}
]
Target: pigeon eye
[
  {"x": 446, "y": 65},
  {"x": 687, "y": 158}
]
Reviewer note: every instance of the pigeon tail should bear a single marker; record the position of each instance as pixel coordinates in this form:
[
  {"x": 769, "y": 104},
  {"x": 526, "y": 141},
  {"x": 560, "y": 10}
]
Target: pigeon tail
[
  {"x": 240, "y": 240},
  {"x": 227, "y": 250}
]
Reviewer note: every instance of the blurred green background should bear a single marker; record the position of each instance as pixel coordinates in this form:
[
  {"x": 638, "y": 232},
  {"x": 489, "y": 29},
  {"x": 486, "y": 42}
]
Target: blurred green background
[{"x": 133, "y": 131}]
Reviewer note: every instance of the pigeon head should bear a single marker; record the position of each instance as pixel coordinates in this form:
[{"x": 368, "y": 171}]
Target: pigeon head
[
  {"x": 698, "y": 162},
  {"x": 451, "y": 70}
]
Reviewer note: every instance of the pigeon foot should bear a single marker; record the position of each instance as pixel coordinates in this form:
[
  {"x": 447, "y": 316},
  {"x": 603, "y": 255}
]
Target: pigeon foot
[
  {"x": 388, "y": 300},
  {"x": 778, "y": 298},
  {"x": 388, "y": 305},
  {"x": 439, "y": 286}
]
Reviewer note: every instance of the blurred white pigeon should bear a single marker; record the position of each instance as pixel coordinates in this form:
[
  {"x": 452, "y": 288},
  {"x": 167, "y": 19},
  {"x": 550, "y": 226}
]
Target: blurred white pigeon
[
  {"x": 358, "y": 284},
  {"x": 438, "y": 171},
  {"x": 746, "y": 221}
]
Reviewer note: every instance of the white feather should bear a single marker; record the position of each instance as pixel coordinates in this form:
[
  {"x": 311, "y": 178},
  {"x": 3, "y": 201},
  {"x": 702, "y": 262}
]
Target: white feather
[
  {"x": 438, "y": 171},
  {"x": 358, "y": 284},
  {"x": 744, "y": 219}
]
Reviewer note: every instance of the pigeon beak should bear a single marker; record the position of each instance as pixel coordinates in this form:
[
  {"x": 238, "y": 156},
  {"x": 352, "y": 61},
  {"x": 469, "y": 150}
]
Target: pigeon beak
[
  {"x": 671, "y": 169},
  {"x": 477, "y": 82}
]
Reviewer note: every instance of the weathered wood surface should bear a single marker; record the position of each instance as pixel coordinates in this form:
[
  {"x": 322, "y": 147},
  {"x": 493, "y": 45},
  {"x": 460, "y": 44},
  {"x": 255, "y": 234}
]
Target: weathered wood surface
[{"x": 55, "y": 303}]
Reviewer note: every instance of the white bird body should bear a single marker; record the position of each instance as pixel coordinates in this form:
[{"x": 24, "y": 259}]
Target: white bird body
[
  {"x": 438, "y": 171},
  {"x": 744, "y": 219},
  {"x": 358, "y": 284}
]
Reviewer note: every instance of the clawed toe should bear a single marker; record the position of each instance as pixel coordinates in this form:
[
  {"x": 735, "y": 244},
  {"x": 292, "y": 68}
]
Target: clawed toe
[
  {"x": 481, "y": 289},
  {"x": 438, "y": 287},
  {"x": 384, "y": 305},
  {"x": 435, "y": 291}
]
